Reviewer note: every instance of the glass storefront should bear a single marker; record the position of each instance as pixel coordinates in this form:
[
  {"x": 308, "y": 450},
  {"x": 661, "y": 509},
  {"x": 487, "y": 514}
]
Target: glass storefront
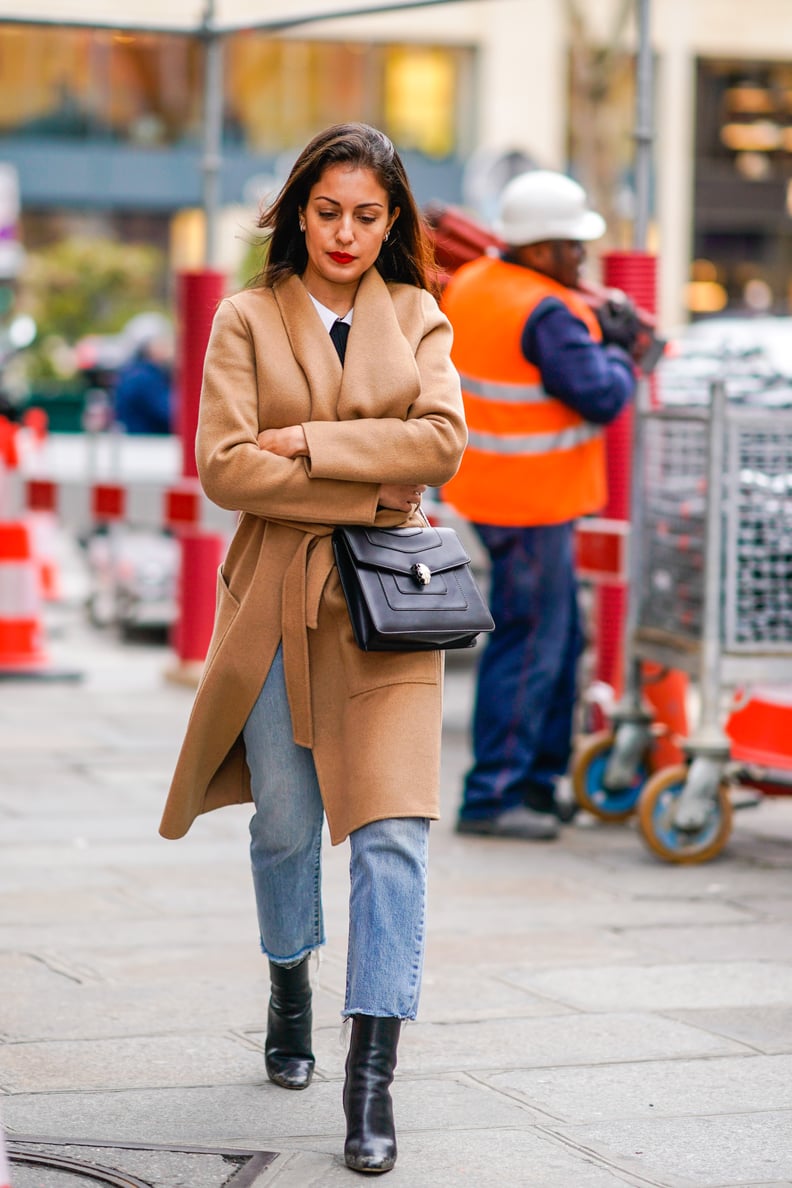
[
  {"x": 743, "y": 188},
  {"x": 145, "y": 90},
  {"x": 75, "y": 84}
]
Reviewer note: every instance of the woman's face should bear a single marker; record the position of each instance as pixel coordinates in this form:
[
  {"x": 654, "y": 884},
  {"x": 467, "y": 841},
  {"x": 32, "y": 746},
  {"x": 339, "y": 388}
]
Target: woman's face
[{"x": 346, "y": 219}]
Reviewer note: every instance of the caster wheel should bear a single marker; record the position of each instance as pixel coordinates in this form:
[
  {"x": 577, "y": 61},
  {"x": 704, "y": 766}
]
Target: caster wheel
[
  {"x": 655, "y": 819},
  {"x": 588, "y": 770}
]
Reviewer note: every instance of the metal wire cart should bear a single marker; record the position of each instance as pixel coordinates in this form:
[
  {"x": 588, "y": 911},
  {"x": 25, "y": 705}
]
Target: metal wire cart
[{"x": 710, "y": 594}]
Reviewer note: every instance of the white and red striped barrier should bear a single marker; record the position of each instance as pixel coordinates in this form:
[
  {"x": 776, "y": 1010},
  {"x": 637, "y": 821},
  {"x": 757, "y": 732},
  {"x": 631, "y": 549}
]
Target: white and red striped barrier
[
  {"x": 84, "y": 482},
  {"x": 80, "y": 504},
  {"x": 81, "y": 482}
]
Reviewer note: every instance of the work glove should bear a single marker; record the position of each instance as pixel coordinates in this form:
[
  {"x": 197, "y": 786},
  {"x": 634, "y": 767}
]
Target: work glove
[{"x": 619, "y": 323}]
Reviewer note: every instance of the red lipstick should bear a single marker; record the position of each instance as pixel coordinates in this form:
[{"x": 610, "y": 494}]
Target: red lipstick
[{"x": 341, "y": 257}]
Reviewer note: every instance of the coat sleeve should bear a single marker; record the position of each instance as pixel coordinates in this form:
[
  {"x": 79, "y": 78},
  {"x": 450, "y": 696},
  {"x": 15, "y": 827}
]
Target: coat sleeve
[
  {"x": 425, "y": 447},
  {"x": 234, "y": 472}
]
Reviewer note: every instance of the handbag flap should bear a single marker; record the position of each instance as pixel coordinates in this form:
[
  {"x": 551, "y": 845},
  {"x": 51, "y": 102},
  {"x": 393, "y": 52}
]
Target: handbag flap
[{"x": 399, "y": 549}]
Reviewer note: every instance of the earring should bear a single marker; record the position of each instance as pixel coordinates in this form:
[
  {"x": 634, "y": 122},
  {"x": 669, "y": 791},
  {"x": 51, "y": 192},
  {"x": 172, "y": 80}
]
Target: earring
[
  {"x": 385, "y": 237},
  {"x": 302, "y": 224}
]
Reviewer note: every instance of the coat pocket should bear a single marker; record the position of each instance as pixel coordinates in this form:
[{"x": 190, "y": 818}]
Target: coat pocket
[
  {"x": 226, "y": 608},
  {"x": 366, "y": 671}
]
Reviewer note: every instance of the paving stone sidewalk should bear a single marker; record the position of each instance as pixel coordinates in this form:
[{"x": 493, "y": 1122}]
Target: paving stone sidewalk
[{"x": 590, "y": 1016}]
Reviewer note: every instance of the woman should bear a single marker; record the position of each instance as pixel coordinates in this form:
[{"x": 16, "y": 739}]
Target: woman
[{"x": 301, "y": 435}]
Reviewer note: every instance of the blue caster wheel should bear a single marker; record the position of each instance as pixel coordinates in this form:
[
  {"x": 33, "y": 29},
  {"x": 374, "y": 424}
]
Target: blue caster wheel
[
  {"x": 656, "y": 819},
  {"x": 588, "y": 771}
]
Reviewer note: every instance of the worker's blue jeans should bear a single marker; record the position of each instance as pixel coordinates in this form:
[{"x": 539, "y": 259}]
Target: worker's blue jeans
[
  {"x": 525, "y": 696},
  {"x": 388, "y": 858}
]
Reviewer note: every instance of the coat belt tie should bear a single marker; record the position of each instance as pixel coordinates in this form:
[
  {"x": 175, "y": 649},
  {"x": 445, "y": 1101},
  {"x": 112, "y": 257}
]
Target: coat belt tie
[{"x": 303, "y": 583}]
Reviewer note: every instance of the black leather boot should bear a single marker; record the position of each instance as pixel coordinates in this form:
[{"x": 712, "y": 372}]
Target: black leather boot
[
  {"x": 287, "y": 1051},
  {"x": 371, "y": 1138}
]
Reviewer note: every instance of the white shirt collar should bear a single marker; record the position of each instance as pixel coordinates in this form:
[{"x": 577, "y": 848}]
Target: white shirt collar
[{"x": 327, "y": 315}]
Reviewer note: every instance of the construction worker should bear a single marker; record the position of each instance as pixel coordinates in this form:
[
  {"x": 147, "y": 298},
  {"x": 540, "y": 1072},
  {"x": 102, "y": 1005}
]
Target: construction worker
[{"x": 541, "y": 375}]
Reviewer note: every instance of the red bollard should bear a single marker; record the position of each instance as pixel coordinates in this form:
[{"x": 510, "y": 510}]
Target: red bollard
[
  {"x": 201, "y": 555},
  {"x": 635, "y": 273},
  {"x": 198, "y": 295}
]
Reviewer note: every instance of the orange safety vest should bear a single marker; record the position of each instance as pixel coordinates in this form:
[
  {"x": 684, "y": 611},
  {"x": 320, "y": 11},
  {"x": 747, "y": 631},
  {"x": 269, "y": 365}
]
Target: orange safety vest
[{"x": 530, "y": 459}]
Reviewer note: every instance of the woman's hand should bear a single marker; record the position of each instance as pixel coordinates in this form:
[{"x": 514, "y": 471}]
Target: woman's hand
[
  {"x": 286, "y": 443},
  {"x": 400, "y": 496}
]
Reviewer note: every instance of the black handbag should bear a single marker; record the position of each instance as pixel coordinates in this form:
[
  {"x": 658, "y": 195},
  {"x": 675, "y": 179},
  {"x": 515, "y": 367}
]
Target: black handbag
[{"x": 409, "y": 589}]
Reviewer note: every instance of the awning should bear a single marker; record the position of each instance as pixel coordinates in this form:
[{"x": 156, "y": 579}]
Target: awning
[{"x": 195, "y": 16}]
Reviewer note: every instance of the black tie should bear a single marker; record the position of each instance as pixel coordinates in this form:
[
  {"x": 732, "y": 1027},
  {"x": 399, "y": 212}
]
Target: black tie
[{"x": 339, "y": 332}]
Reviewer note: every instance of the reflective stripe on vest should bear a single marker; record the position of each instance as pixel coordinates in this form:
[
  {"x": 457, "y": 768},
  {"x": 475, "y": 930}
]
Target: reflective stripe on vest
[
  {"x": 532, "y": 443},
  {"x": 531, "y": 459},
  {"x": 504, "y": 393}
]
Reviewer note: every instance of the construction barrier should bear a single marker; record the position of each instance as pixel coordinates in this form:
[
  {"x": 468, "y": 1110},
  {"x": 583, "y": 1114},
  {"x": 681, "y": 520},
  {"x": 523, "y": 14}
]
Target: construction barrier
[
  {"x": 23, "y": 650},
  {"x": 87, "y": 482},
  {"x": 15, "y": 442},
  {"x": 21, "y": 633},
  {"x": 82, "y": 504},
  {"x": 36, "y": 499}
]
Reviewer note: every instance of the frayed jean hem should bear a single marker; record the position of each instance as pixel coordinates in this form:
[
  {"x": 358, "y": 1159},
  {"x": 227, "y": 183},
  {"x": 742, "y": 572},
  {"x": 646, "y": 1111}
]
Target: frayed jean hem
[{"x": 296, "y": 958}]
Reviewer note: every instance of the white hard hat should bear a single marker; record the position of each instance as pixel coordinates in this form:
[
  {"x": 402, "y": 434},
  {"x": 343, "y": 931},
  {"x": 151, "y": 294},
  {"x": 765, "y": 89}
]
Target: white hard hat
[{"x": 542, "y": 205}]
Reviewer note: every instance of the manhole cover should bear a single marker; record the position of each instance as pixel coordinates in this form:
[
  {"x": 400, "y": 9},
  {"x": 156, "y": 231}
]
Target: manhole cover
[{"x": 49, "y": 1163}]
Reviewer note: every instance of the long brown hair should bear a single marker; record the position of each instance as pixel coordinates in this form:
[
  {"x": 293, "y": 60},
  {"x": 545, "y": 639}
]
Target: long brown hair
[{"x": 408, "y": 254}]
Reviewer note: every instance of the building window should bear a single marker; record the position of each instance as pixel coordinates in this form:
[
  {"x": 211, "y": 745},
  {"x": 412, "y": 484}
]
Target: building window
[
  {"x": 280, "y": 93},
  {"x": 420, "y": 99},
  {"x": 76, "y": 84},
  {"x": 147, "y": 89},
  {"x": 743, "y": 183}
]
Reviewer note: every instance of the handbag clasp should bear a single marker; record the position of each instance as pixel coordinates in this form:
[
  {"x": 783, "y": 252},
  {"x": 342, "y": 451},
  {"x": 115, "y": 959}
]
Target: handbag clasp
[{"x": 422, "y": 573}]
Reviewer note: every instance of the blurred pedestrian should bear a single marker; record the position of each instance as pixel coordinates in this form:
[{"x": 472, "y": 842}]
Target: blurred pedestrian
[
  {"x": 301, "y": 432},
  {"x": 541, "y": 375},
  {"x": 143, "y": 397}
]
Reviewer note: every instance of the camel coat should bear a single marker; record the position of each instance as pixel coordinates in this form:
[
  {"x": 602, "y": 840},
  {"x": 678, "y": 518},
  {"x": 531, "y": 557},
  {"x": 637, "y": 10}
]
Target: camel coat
[{"x": 393, "y": 414}]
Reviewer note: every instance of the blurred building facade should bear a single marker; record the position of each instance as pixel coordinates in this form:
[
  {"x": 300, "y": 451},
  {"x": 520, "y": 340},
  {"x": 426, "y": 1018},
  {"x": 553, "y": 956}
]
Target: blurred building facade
[{"x": 105, "y": 127}]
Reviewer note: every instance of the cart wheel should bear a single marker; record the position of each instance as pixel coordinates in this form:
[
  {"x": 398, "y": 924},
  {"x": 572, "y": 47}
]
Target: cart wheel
[
  {"x": 655, "y": 819},
  {"x": 588, "y": 770}
]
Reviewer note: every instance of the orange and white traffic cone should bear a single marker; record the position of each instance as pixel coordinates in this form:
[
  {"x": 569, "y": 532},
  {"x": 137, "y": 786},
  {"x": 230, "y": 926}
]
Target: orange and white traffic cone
[
  {"x": 22, "y": 645},
  {"x": 22, "y": 648},
  {"x": 43, "y": 530},
  {"x": 16, "y": 441}
]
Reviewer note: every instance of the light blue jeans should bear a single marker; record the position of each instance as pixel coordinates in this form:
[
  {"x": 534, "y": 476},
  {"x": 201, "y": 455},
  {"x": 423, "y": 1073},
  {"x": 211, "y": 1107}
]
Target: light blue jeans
[{"x": 387, "y": 902}]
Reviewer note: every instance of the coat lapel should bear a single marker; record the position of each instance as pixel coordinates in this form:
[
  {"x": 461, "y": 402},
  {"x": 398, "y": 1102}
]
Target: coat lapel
[
  {"x": 379, "y": 369},
  {"x": 312, "y": 347}
]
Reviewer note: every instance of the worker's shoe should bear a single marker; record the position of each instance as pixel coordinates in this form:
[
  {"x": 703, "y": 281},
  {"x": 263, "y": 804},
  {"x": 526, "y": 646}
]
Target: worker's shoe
[
  {"x": 518, "y": 822},
  {"x": 565, "y": 801}
]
